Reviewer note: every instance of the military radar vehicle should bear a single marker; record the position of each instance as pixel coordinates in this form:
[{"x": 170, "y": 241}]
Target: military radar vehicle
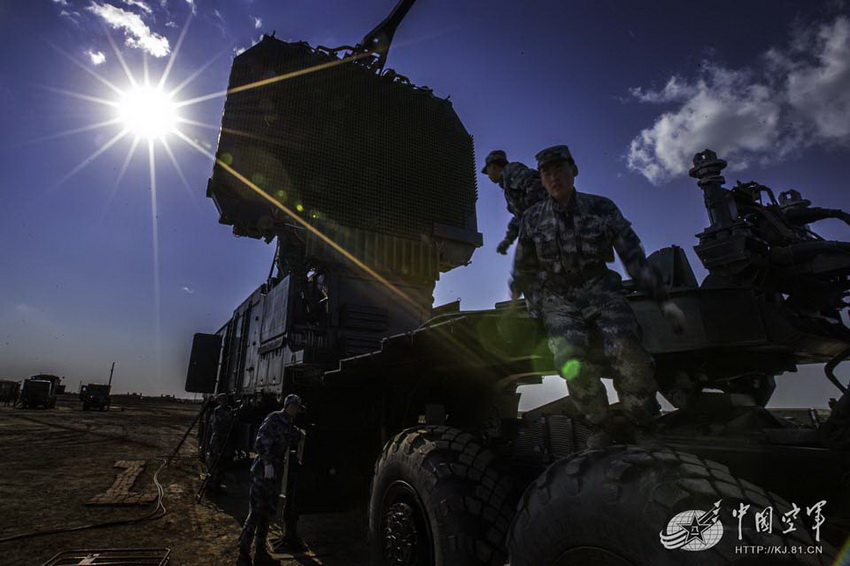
[
  {"x": 413, "y": 409},
  {"x": 95, "y": 396},
  {"x": 9, "y": 391},
  {"x": 40, "y": 391}
]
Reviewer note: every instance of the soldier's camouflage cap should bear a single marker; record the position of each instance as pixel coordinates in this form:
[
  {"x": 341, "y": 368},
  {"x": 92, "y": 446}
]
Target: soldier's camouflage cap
[
  {"x": 494, "y": 156},
  {"x": 553, "y": 154},
  {"x": 292, "y": 398}
]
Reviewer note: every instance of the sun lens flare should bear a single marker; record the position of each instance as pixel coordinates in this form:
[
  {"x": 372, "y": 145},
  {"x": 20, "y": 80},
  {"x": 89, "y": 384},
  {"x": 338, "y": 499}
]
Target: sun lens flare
[
  {"x": 148, "y": 112},
  {"x": 571, "y": 369}
]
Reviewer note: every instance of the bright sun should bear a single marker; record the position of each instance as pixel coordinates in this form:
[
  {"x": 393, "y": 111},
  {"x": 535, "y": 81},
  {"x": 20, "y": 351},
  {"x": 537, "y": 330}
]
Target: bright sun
[{"x": 148, "y": 112}]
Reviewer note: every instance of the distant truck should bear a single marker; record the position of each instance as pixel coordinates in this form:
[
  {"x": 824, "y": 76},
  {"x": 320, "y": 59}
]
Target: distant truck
[
  {"x": 40, "y": 391},
  {"x": 95, "y": 396},
  {"x": 58, "y": 386},
  {"x": 9, "y": 391}
]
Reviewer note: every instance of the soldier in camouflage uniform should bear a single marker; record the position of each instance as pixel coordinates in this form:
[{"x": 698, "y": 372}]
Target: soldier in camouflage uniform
[
  {"x": 564, "y": 244},
  {"x": 218, "y": 451},
  {"x": 277, "y": 433},
  {"x": 521, "y": 186}
]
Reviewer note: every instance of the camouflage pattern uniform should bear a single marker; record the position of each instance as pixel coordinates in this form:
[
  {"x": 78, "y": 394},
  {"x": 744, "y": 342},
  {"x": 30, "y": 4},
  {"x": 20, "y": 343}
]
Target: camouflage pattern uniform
[
  {"x": 521, "y": 186},
  {"x": 560, "y": 260},
  {"x": 217, "y": 450},
  {"x": 522, "y": 190},
  {"x": 273, "y": 440}
]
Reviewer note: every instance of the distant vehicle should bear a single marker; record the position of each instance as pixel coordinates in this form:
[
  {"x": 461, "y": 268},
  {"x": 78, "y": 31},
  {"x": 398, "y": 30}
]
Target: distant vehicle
[
  {"x": 38, "y": 392},
  {"x": 95, "y": 396},
  {"x": 9, "y": 391},
  {"x": 58, "y": 386}
]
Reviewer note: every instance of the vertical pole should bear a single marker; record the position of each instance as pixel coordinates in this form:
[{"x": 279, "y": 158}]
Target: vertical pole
[{"x": 109, "y": 387}]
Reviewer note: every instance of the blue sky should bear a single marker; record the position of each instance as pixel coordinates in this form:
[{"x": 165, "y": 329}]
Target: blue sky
[{"x": 89, "y": 276}]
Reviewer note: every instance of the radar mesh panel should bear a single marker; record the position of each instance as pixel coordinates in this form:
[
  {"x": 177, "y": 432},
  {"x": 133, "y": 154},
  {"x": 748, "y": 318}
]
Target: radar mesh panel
[{"x": 341, "y": 146}]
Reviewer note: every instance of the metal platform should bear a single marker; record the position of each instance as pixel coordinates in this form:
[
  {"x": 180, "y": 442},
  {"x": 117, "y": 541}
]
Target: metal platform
[{"x": 112, "y": 557}]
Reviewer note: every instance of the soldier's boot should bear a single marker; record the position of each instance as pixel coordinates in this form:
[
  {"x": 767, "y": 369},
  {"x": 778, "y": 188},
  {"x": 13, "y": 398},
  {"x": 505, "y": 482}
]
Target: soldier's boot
[
  {"x": 641, "y": 416},
  {"x": 261, "y": 553},
  {"x": 244, "y": 558},
  {"x": 645, "y": 438},
  {"x": 599, "y": 438},
  {"x": 293, "y": 544},
  {"x": 601, "y": 435},
  {"x": 643, "y": 433}
]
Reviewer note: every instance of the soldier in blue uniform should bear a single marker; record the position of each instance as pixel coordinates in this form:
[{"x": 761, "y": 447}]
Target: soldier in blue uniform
[
  {"x": 521, "y": 186},
  {"x": 218, "y": 452},
  {"x": 565, "y": 242},
  {"x": 276, "y": 435}
]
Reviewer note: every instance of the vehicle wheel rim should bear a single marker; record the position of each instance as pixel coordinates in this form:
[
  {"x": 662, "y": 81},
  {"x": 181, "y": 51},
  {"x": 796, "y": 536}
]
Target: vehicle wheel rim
[
  {"x": 591, "y": 556},
  {"x": 406, "y": 532}
]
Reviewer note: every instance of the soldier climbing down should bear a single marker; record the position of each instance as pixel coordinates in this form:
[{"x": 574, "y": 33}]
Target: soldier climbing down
[
  {"x": 274, "y": 439},
  {"x": 564, "y": 244},
  {"x": 521, "y": 186}
]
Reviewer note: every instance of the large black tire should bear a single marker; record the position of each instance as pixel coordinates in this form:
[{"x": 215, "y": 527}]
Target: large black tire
[
  {"x": 609, "y": 508},
  {"x": 439, "y": 498}
]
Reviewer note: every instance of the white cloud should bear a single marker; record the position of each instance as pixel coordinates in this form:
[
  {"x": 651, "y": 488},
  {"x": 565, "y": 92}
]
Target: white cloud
[
  {"x": 191, "y": 4},
  {"x": 97, "y": 57},
  {"x": 136, "y": 33},
  {"x": 794, "y": 98},
  {"x": 188, "y": 290},
  {"x": 70, "y": 14},
  {"x": 139, "y": 4},
  {"x": 723, "y": 110},
  {"x": 820, "y": 91},
  {"x": 239, "y": 50},
  {"x": 61, "y": 2},
  {"x": 258, "y": 22},
  {"x": 675, "y": 90},
  {"x": 220, "y": 23}
]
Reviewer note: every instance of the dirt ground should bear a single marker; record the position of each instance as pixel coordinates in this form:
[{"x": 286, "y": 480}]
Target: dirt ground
[{"x": 55, "y": 461}]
